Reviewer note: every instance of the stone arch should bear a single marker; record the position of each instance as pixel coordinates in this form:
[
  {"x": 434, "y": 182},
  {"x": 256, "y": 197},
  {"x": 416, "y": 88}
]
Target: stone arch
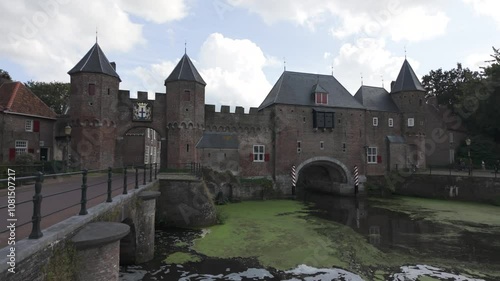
[
  {"x": 183, "y": 125},
  {"x": 176, "y": 125},
  {"x": 190, "y": 125},
  {"x": 220, "y": 129},
  {"x": 226, "y": 129},
  {"x": 128, "y": 244},
  {"x": 325, "y": 174}
]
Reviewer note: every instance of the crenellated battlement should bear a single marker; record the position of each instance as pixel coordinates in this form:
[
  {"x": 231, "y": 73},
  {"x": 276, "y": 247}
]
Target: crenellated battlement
[
  {"x": 210, "y": 108},
  {"x": 141, "y": 95}
]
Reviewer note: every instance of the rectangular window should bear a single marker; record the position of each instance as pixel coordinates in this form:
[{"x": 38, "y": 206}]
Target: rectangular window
[
  {"x": 153, "y": 155},
  {"x": 411, "y": 122},
  {"x": 343, "y": 147},
  {"x": 299, "y": 146},
  {"x": 146, "y": 155},
  {"x": 258, "y": 153},
  {"x": 323, "y": 120},
  {"x": 371, "y": 155},
  {"x": 375, "y": 121},
  {"x": 147, "y": 132},
  {"x": 391, "y": 122},
  {"x": 91, "y": 89},
  {"x": 321, "y": 145},
  {"x": 21, "y": 147},
  {"x": 28, "y": 126},
  {"x": 321, "y": 98}
]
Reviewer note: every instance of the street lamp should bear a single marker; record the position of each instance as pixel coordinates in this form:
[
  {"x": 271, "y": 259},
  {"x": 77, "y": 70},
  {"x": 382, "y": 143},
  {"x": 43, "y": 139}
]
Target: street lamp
[
  {"x": 468, "y": 142},
  {"x": 67, "y": 132}
]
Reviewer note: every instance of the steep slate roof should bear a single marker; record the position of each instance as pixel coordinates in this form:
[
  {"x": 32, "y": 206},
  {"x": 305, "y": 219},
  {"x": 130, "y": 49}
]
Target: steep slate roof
[
  {"x": 185, "y": 71},
  {"x": 220, "y": 140},
  {"x": 94, "y": 62},
  {"x": 15, "y": 97},
  {"x": 297, "y": 88},
  {"x": 375, "y": 98},
  {"x": 407, "y": 80}
]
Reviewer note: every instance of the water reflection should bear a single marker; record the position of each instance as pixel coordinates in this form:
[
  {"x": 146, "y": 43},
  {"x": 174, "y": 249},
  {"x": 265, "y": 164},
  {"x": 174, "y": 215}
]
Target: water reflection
[{"x": 391, "y": 230}]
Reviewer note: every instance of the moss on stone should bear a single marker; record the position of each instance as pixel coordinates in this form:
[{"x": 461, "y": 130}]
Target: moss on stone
[
  {"x": 62, "y": 265},
  {"x": 181, "y": 258}
]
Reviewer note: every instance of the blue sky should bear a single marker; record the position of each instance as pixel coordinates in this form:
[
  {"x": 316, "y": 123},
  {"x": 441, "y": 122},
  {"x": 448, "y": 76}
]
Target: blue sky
[{"x": 239, "y": 45}]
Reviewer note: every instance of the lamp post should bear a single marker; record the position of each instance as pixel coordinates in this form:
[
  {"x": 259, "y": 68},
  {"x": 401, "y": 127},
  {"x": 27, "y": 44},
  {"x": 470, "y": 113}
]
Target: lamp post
[
  {"x": 468, "y": 142},
  {"x": 67, "y": 132}
]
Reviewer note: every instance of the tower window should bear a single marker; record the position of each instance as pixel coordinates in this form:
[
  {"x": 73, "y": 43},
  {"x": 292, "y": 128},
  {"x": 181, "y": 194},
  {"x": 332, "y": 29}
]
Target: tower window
[
  {"x": 343, "y": 147},
  {"x": 109, "y": 91},
  {"x": 187, "y": 147},
  {"x": 187, "y": 95},
  {"x": 321, "y": 145},
  {"x": 375, "y": 121},
  {"x": 391, "y": 122},
  {"x": 411, "y": 122},
  {"x": 299, "y": 146},
  {"x": 91, "y": 89}
]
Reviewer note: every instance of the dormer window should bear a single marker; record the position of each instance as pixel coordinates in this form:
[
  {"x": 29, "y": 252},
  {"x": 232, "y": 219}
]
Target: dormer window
[{"x": 321, "y": 98}]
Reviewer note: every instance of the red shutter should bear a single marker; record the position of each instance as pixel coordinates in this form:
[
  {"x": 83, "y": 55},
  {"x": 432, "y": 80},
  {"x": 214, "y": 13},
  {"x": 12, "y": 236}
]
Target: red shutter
[
  {"x": 31, "y": 150},
  {"x": 251, "y": 157},
  {"x": 36, "y": 126},
  {"x": 379, "y": 158},
  {"x": 266, "y": 157},
  {"x": 91, "y": 89},
  {"x": 12, "y": 154}
]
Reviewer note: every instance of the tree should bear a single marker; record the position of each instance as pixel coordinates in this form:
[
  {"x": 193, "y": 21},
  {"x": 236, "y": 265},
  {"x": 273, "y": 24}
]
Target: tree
[
  {"x": 4, "y": 76},
  {"x": 53, "y": 94}
]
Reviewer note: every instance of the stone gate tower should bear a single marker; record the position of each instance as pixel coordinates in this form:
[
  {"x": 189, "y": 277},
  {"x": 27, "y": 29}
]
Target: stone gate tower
[
  {"x": 93, "y": 110},
  {"x": 409, "y": 95},
  {"x": 185, "y": 112}
]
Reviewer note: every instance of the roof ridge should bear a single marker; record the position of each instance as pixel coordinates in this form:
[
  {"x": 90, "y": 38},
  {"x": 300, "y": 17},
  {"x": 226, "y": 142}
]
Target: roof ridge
[
  {"x": 14, "y": 94},
  {"x": 279, "y": 86}
]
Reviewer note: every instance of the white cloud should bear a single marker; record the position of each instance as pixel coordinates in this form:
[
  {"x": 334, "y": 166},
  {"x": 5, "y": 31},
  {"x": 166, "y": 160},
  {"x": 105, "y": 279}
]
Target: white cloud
[
  {"x": 488, "y": 8},
  {"x": 57, "y": 33},
  {"x": 477, "y": 60},
  {"x": 399, "y": 20},
  {"x": 156, "y": 11},
  {"x": 369, "y": 58},
  {"x": 150, "y": 78},
  {"x": 233, "y": 71}
]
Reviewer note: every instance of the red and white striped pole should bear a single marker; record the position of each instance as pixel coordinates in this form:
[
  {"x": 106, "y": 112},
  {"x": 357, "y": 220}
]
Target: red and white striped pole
[
  {"x": 356, "y": 179},
  {"x": 293, "y": 174}
]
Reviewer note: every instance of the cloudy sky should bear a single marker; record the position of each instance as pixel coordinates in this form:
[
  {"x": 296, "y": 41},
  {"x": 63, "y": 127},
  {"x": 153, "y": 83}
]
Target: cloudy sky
[{"x": 239, "y": 46}]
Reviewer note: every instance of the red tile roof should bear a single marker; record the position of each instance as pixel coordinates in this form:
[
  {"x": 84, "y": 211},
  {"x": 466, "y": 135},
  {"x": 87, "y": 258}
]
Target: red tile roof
[{"x": 17, "y": 98}]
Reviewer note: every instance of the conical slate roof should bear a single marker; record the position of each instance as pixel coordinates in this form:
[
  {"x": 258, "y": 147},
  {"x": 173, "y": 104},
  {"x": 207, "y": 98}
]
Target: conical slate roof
[
  {"x": 185, "y": 71},
  {"x": 94, "y": 62},
  {"x": 407, "y": 80}
]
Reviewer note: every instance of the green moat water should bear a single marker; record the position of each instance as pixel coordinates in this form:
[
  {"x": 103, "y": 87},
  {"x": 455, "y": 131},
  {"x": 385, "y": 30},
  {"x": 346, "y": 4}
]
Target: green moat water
[{"x": 331, "y": 238}]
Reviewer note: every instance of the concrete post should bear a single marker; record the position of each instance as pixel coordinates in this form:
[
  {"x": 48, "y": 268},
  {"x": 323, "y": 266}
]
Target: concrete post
[
  {"x": 98, "y": 246},
  {"x": 145, "y": 227}
]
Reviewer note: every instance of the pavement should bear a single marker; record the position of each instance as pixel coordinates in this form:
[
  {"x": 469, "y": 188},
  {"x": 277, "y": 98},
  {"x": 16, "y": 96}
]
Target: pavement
[{"x": 61, "y": 200}]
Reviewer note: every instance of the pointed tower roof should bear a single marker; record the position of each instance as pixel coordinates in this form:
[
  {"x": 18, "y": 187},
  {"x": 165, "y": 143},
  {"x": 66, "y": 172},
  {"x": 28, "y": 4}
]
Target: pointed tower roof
[
  {"x": 407, "y": 80},
  {"x": 185, "y": 71},
  {"x": 94, "y": 62}
]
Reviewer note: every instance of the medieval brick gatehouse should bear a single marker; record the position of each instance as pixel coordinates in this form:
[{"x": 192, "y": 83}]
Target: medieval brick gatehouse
[{"x": 307, "y": 120}]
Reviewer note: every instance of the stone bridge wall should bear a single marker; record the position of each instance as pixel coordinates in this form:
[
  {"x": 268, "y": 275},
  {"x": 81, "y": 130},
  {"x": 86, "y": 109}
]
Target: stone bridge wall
[{"x": 52, "y": 257}]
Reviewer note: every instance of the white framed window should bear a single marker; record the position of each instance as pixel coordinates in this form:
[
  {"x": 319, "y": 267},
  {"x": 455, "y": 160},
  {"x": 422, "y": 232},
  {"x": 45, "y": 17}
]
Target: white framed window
[
  {"x": 321, "y": 145},
  {"x": 153, "y": 155},
  {"x": 375, "y": 121},
  {"x": 371, "y": 155},
  {"x": 411, "y": 122},
  {"x": 148, "y": 133},
  {"x": 258, "y": 153},
  {"x": 146, "y": 154},
  {"x": 299, "y": 146},
  {"x": 390, "y": 122},
  {"x": 28, "y": 125},
  {"x": 21, "y": 147},
  {"x": 321, "y": 98}
]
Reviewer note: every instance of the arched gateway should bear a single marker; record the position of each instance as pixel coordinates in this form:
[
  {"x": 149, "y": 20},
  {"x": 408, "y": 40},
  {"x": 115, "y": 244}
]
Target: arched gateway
[{"x": 325, "y": 174}]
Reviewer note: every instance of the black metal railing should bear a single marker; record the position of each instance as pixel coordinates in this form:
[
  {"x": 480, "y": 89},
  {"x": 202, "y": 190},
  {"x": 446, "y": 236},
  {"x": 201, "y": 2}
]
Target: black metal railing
[
  {"x": 453, "y": 170},
  {"x": 113, "y": 175}
]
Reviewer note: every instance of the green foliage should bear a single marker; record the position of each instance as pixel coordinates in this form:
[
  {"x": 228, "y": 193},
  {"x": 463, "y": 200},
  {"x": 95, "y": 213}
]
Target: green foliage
[
  {"x": 221, "y": 216},
  {"x": 482, "y": 148},
  {"x": 474, "y": 97},
  {"x": 4, "y": 75},
  {"x": 53, "y": 94},
  {"x": 25, "y": 159},
  {"x": 266, "y": 183}
]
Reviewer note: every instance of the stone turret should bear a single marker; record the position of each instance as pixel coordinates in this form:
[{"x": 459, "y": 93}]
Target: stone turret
[
  {"x": 93, "y": 109},
  {"x": 185, "y": 112}
]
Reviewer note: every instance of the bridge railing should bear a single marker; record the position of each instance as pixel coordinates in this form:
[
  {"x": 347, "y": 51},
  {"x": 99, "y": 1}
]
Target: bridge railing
[
  {"x": 456, "y": 170},
  {"x": 142, "y": 173},
  {"x": 192, "y": 168}
]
